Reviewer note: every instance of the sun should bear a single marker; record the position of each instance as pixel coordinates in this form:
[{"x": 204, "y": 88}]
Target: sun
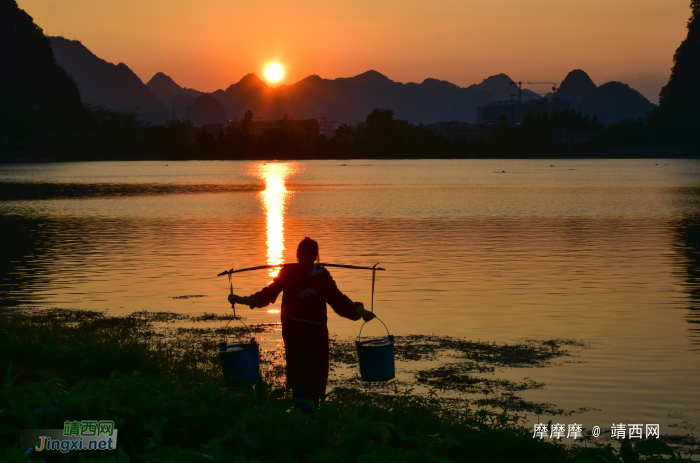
[{"x": 274, "y": 72}]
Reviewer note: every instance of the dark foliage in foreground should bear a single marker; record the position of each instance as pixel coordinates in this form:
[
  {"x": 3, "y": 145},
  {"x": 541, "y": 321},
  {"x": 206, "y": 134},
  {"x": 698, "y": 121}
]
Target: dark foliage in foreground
[
  {"x": 179, "y": 410},
  {"x": 160, "y": 419}
]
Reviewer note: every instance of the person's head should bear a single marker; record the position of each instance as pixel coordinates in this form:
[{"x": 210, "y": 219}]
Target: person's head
[{"x": 307, "y": 252}]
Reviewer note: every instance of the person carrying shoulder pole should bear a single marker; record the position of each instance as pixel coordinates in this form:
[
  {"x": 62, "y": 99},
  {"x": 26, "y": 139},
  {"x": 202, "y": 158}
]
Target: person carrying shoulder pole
[{"x": 307, "y": 288}]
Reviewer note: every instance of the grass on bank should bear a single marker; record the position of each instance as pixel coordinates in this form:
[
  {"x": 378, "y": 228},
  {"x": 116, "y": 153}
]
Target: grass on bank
[{"x": 64, "y": 365}]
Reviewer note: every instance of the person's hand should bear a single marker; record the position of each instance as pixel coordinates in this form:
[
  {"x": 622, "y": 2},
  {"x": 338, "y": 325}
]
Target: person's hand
[
  {"x": 365, "y": 314},
  {"x": 245, "y": 300}
]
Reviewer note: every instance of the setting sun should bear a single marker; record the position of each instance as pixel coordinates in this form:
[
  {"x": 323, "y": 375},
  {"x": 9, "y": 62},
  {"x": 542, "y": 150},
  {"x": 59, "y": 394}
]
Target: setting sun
[{"x": 274, "y": 72}]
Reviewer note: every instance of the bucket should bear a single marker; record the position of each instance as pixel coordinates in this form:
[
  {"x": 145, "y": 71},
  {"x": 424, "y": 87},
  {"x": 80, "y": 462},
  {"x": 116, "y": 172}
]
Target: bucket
[
  {"x": 240, "y": 362},
  {"x": 376, "y": 357}
]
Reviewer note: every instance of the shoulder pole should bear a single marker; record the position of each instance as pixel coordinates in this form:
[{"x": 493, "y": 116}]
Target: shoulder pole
[{"x": 262, "y": 267}]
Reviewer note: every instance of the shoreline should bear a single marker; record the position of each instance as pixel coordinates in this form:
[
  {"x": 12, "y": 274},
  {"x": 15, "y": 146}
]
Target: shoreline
[
  {"x": 194, "y": 338},
  {"x": 545, "y": 155}
]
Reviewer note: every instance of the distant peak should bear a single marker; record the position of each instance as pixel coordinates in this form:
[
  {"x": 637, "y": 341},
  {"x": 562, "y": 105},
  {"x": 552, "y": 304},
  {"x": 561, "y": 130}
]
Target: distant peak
[
  {"x": 312, "y": 77},
  {"x": 578, "y": 77},
  {"x": 370, "y": 77},
  {"x": 250, "y": 78},
  {"x": 372, "y": 72},
  {"x": 249, "y": 82},
  {"x": 438, "y": 84},
  {"x": 497, "y": 79},
  {"x": 623, "y": 90},
  {"x": 161, "y": 79},
  {"x": 576, "y": 85},
  {"x": 616, "y": 85}
]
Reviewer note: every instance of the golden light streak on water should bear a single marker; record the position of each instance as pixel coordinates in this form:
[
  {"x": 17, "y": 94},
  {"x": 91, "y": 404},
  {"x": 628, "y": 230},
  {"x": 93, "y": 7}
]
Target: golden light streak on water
[{"x": 274, "y": 200}]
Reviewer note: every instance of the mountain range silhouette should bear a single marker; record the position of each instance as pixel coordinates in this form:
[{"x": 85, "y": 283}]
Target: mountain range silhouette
[
  {"x": 347, "y": 100},
  {"x": 101, "y": 83},
  {"x": 350, "y": 99},
  {"x": 174, "y": 97}
]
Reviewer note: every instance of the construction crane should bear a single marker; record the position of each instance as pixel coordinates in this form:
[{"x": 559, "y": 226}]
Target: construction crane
[{"x": 520, "y": 88}]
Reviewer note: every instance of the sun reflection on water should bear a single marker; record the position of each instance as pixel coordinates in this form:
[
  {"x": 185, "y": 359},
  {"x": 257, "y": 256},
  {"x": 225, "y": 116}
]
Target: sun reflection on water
[{"x": 274, "y": 200}]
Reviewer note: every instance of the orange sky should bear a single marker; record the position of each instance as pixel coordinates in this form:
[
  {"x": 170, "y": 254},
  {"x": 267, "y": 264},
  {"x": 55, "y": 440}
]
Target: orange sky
[{"x": 209, "y": 44}]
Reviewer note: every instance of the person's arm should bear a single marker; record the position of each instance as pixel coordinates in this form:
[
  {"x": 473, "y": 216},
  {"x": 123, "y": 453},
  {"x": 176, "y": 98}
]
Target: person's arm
[
  {"x": 343, "y": 305},
  {"x": 264, "y": 297}
]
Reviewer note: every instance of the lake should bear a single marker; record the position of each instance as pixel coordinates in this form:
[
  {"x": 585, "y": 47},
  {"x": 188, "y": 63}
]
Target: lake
[{"x": 601, "y": 251}]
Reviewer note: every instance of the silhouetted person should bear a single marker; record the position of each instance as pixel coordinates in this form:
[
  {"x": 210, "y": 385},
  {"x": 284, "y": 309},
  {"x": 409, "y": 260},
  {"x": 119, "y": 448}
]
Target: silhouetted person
[{"x": 307, "y": 288}]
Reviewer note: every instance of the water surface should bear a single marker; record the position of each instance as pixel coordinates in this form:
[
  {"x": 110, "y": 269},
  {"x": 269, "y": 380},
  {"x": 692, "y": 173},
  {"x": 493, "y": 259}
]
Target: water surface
[{"x": 603, "y": 251}]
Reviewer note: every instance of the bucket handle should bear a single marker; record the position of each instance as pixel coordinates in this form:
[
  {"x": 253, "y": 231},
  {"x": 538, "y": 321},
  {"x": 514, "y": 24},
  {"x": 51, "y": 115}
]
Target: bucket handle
[
  {"x": 359, "y": 336},
  {"x": 236, "y": 317}
]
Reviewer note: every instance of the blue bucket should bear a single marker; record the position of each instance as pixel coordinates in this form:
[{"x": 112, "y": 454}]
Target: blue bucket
[
  {"x": 240, "y": 361},
  {"x": 376, "y": 357}
]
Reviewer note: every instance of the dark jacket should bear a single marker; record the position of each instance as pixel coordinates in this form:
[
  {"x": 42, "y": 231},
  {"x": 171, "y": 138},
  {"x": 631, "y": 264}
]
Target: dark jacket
[{"x": 304, "y": 321}]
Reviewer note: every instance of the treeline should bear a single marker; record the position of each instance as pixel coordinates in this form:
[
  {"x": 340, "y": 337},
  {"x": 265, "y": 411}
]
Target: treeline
[{"x": 107, "y": 134}]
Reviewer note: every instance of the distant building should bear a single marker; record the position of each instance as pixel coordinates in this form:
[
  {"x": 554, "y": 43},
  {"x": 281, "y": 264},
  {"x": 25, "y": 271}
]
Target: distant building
[
  {"x": 213, "y": 129},
  {"x": 515, "y": 111},
  {"x": 312, "y": 127},
  {"x": 326, "y": 127}
]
